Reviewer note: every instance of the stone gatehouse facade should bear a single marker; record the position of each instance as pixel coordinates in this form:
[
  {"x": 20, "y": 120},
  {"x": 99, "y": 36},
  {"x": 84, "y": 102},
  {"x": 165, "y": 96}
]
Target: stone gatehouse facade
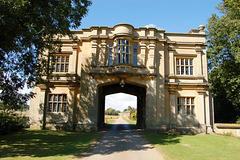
[{"x": 166, "y": 71}]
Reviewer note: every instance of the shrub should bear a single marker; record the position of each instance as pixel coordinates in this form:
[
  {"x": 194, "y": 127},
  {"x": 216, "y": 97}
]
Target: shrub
[
  {"x": 134, "y": 116},
  {"x": 10, "y": 122},
  {"x": 238, "y": 120}
]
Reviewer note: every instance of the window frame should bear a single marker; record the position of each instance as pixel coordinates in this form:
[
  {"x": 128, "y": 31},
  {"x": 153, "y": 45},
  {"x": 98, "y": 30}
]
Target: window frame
[
  {"x": 186, "y": 106},
  {"x": 182, "y": 68},
  {"x": 61, "y": 103},
  {"x": 63, "y": 64}
]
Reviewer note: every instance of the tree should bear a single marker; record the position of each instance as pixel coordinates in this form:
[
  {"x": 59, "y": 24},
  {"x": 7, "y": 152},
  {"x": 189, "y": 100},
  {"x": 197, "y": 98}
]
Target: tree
[
  {"x": 28, "y": 28},
  {"x": 223, "y": 34},
  {"x": 111, "y": 111}
]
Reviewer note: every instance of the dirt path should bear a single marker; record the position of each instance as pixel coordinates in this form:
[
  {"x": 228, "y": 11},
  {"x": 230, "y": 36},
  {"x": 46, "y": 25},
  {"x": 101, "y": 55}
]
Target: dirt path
[{"x": 121, "y": 143}]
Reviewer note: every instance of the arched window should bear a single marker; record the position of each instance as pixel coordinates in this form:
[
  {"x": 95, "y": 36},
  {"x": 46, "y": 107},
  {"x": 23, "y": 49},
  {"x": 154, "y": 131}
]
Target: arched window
[{"x": 123, "y": 54}]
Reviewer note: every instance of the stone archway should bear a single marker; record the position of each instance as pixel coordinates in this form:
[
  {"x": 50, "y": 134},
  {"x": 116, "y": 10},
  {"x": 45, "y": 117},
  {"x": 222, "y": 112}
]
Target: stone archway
[{"x": 140, "y": 92}]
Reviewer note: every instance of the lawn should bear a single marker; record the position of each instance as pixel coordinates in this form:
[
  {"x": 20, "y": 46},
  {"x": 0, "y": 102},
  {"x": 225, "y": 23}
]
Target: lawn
[
  {"x": 197, "y": 147},
  {"x": 110, "y": 119},
  {"x": 43, "y": 144},
  {"x": 129, "y": 121}
]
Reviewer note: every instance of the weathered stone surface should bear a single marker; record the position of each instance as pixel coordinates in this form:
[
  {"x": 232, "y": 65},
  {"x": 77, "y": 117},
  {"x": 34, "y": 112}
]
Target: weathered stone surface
[{"x": 166, "y": 71}]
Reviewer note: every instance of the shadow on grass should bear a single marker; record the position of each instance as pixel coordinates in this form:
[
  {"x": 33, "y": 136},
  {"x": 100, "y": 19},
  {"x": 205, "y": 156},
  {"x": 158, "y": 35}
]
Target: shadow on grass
[
  {"x": 162, "y": 139},
  {"x": 43, "y": 143}
]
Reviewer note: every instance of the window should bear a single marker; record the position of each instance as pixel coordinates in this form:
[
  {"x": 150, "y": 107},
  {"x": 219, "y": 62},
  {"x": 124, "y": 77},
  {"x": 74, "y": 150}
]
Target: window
[
  {"x": 184, "y": 66},
  {"x": 123, "y": 54},
  {"x": 185, "y": 105},
  {"x": 110, "y": 54},
  {"x": 135, "y": 46},
  {"x": 57, "y": 103},
  {"x": 60, "y": 64}
]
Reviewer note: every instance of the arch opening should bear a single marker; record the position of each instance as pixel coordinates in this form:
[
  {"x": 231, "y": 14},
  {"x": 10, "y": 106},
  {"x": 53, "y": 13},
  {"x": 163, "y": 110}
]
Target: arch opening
[{"x": 138, "y": 92}]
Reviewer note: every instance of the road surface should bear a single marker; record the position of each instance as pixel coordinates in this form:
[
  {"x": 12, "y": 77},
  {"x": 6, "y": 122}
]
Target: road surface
[{"x": 122, "y": 143}]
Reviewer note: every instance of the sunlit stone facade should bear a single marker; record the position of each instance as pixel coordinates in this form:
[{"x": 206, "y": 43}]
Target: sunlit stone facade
[{"x": 166, "y": 71}]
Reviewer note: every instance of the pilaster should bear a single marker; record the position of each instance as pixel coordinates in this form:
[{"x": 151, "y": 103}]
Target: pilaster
[
  {"x": 142, "y": 54},
  {"x": 102, "y": 54},
  {"x": 199, "y": 60},
  {"x": 172, "y": 95},
  {"x": 94, "y": 52},
  {"x": 151, "y": 57}
]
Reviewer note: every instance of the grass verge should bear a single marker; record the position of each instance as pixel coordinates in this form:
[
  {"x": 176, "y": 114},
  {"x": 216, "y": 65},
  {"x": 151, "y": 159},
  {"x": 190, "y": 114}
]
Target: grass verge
[
  {"x": 44, "y": 144},
  {"x": 204, "y": 147},
  {"x": 129, "y": 121}
]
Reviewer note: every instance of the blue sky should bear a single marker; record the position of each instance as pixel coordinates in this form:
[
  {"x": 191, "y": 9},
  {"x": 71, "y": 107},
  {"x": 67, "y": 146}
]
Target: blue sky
[{"x": 170, "y": 15}]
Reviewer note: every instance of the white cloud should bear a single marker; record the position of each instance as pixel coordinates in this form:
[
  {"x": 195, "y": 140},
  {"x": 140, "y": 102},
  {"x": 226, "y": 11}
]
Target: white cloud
[
  {"x": 154, "y": 26},
  {"x": 120, "y": 101}
]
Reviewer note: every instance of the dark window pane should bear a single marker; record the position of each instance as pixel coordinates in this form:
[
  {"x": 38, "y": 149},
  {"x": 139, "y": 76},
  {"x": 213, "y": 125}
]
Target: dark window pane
[
  {"x": 178, "y": 70},
  {"x": 182, "y": 61},
  {"x": 182, "y": 70},
  {"x": 58, "y": 68},
  {"x": 53, "y": 67},
  {"x": 127, "y": 49},
  {"x": 64, "y": 97},
  {"x": 64, "y": 107},
  {"x": 67, "y": 59},
  {"x": 122, "y": 58},
  {"x": 62, "y": 67},
  {"x": 135, "y": 52},
  {"x": 191, "y": 70},
  {"x": 55, "y": 97},
  {"x": 188, "y": 110},
  {"x": 187, "y": 70},
  {"x": 111, "y": 45},
  {"x": 54, "y": 107},
  {"x": 60, "y": 98},
  {"x": 177, "y": 61},
  {"x": 118, "y": 41},
  {"x": 186, "y": 61},
  {"x": 50, "y": 97},
  {"x": 127, "y": 58},
  {"x": 179, "y": 100},
  {"x": 123, "y": 41},
  {"x": 58, "y": 59},
  {"x": 118, "y": 58},
  {"x": 135, "y": 45},
  {"x": 192, "y": 100},
  {"x": 179, "y": 109},
  {"x": 127, "y": 42},
  {"x": 110, "y": 60},
  {"x": 110, "y": 52},
  {"x": 66, "y": 69},
  {"x": 50, "y": 107},
  {"x": 59, "y": 109},
  {"x": 192, "y": 110},
  {"x": 191, "y": 62},
  {"x": 135, "y": 61},
  {"x": 63, "y": 59},
  {"x": 123, "y": 48}
]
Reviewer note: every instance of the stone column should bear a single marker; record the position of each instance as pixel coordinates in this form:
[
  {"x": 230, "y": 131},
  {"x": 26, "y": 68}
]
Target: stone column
[
  {"x": 102, "y": 54},
  {"x": 172, "y": 98},
  {"x": 94, "y": 52},
  {"x": 142, "y": 55},
  {"x": 199, "y": 61},
  {"x": 75, "y": 54},
  {"x": 207, "y": 113},
  {"x": 171, "y": 60},
  {"x": 151, "y": 56},
  {"x": 200, "y": 109},
  {"x": 72, "y": 111}
]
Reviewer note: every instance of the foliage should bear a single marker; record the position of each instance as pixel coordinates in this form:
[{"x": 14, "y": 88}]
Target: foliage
[
  {"x": 238, "y": 120},
  {"x": 134, "y": 116},
  {"x": 223, "y": 34},
  {"x": 45, "y": 145},
  {"x": 204, "y": 147},
  {"x": 10, "y": 122},
  {"x": 28, "y": 29},
  {"x": 131, "y": 122},
  {"x": 111, "y": 111}
]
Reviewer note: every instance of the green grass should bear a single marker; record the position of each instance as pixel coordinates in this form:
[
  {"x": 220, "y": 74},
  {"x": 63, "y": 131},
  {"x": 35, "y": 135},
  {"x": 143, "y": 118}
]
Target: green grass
[
  {"x": 44, "y": 144},
  {"x": 129, "y": 121},
  {"x": 197, "y": 147}
]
